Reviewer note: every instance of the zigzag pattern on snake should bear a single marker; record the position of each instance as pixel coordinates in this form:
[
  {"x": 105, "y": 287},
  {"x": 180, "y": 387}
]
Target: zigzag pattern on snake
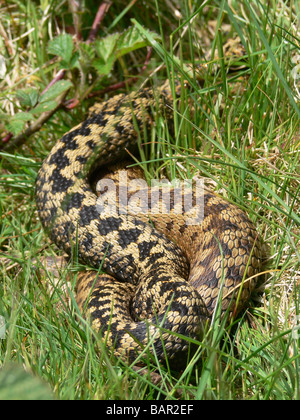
[{"x": 162, "y": 272}]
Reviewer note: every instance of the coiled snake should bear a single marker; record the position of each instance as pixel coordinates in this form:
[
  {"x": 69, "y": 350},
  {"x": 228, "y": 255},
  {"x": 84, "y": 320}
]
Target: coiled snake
[{"x": 159, "y": 273}]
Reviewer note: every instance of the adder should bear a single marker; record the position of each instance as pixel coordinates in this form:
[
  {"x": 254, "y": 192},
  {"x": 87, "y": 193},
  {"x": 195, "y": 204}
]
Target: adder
[{"x": 163, "y": 277}]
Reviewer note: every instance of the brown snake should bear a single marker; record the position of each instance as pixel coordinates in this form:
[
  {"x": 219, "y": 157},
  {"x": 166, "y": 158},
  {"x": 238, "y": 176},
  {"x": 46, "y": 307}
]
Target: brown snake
[{"x": 163, "y": 272}]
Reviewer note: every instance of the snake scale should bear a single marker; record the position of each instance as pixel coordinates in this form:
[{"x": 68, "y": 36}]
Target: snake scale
[{"x": 158, "y": 273}]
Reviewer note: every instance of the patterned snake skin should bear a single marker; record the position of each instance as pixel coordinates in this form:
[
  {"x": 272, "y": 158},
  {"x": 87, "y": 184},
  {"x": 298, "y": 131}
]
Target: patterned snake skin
[{"x": 159, "y": 273}]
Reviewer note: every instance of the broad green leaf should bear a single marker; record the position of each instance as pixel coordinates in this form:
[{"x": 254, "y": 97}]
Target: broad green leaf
[
  {"x": 103, "y": 68},
  {"x": 113, "y": 46},
  {"x": 28, "y": 97},
  {"x": 15, "y": 126},
  {"x": 16, "y": 123},
  {"x": 105, "y": 47},
  {"x": 132, "y": 39},
  {"x": 62, "y": 46},
  {"x": 74, "y": 61},
  {"x": 44, "y": 107},
  {"x": 23, "y": 116},
  {"x": 55, "y": 90},
  {"x": 105, "y": 50}
]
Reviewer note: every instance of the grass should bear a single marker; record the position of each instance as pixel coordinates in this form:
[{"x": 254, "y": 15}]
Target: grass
[{"x": 243, "y": 139}]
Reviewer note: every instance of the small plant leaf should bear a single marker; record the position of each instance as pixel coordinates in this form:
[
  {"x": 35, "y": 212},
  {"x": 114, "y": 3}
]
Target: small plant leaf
[
  {"x": 62, "y": 45},
  {"x": 23, "y": 116},
  {"x": 105, "y": 47},
  {"x": 105, "y": 50},
  {"x": 28, "y": 97},
  {"x": 55, "y": 90},
  {"x": 131, "y": 40},
  {"x": 102, "y": 67},
  {"x": 44, "y": 107},
  {"x": 15, "y": 126},
  {"x": 17, "y": 122},
  {"x": 110, "y": 48}
]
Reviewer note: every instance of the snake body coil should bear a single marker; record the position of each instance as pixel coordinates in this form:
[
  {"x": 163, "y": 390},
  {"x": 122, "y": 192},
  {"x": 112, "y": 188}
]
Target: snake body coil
[{"x": 147, "y": 264}]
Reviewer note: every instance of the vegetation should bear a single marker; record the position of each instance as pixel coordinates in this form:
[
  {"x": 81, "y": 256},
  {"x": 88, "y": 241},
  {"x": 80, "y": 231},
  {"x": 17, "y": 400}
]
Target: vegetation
[{"x": 242, "y": 137}]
